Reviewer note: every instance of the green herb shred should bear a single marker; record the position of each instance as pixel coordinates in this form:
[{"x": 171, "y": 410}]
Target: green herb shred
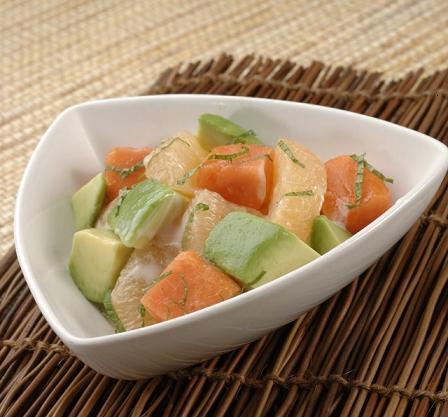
[
  {"x": 142, "y": 312},
  {"x": 201, "y": 206},
  {"x": 121, "y": 196},
  {"x": 239, "y": 138},
  {"x": 197, "y": 207},
  {"x": 374, "y": 171},
  {"x": 162, "y": 276},
  {"x": 171, "y": 141},
  {"x": 165, "y": 144},
  {"x": 359, "y": 159},
  {"x": 230, "y": 156},
  {"x": 299, "y": 193},
  {"x": 182, "y": 180},
  {"x": 285, "y": 148},
  {"x": 125, "y": 172}
]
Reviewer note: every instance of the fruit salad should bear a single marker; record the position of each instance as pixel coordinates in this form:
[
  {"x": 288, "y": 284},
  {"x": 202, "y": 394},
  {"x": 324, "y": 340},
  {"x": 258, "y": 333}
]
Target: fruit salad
[{"x": 201, "y": 218}]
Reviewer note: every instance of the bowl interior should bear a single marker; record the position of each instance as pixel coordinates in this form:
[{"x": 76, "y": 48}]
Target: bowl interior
[{"x": 74, "y": 147}]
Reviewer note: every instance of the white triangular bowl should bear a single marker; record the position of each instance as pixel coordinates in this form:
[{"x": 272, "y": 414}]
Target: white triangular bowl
[{"x": 73, "y": 150}]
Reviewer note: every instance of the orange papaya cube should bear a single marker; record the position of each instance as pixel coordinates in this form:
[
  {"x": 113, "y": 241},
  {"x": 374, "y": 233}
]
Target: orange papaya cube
[{"x": 189, "y": 284}]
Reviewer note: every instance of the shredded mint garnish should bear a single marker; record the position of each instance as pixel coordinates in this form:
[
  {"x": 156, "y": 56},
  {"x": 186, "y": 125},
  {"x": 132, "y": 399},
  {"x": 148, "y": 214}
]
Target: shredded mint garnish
[
  {"x": 165, "y": 144},
  {"x": 159, "y": 278},
  {"x": 362, "y": 163},
  {"x": 299, "y": 193},
  {"x": 142, "y": 312},
  {"x": 374, "y": 171},
  {"x": 162, "y": 276},
  {"x": 239, "y": 138},
  {"x": 112, "y": 314},
  {"x": 285, "y": 148},
  {"x": 230, "y": 156},
  {"x": 197, "y": 207},
  {"x": 201, "y": 206},
  {"x": 359, "y": 159},
  {"x": 182, "y": 180},
  {"x": 169, "y": 142},
  {"x": 121, "y": 196},
  {"x": 125, "y": 172}
]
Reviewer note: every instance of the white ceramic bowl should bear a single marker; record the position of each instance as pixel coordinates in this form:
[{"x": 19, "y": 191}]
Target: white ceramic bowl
[{"x": 73, "y": 150}]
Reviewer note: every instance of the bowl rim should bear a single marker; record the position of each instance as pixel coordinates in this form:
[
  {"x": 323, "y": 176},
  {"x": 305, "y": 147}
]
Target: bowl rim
[{"x": 435, "y": 170}]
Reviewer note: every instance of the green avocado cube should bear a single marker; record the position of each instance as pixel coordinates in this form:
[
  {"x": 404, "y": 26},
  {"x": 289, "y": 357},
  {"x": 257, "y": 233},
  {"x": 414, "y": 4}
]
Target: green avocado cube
[
  {"x": 216, "y": 130},
  {"x": 96, "y": 260},
  {"x": 143, "y": 210},
  {"x": 255, "y": 251},
  {"x": 88, "y": 201},
  {"x": 326, "y": 235}
]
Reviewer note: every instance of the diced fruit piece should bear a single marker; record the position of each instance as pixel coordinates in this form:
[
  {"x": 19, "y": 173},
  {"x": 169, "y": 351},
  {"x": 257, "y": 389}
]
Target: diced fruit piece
[
  {"x": 240, "y": 173},
  {"x": 299, "y": 187},
  {"x": 96, "y": 260},
  {"x": 255, "y": 251},
  {"x": 101, "y": 222},
  {"x": 340, "y": 199},
  {"x": 327, "y": 235},
  {"x": 205, "y": 211},
  {"x": 87, "y": 202},
  {"x": 173, "y": 159},
  {"x": 189, "y": 283},
  {"x": 124, "y": 168},
  {"x": 143, "y": 210},
  {"x": 215, "y": 130},
  {"x": 142, "y": 268}
]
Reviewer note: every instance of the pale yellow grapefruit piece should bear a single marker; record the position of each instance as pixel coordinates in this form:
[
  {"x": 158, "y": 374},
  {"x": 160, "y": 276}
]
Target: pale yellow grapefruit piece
[
  {"x": 173, "y": 159},
  {"x": 101, "y": 223},
  {"x": 300, "y": 183},
  {"x": 142, "y": 268}
]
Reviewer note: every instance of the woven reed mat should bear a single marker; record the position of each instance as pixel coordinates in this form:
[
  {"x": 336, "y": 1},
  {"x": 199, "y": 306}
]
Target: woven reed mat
[
  {"x": 56, "y": 53},
  {"x": 377, "y": 348}
]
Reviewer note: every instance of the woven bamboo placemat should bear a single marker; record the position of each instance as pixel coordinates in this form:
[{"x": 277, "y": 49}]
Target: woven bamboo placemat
[
  {"x": 377, "y": 348},
  {"x": 56, "y": 53}
]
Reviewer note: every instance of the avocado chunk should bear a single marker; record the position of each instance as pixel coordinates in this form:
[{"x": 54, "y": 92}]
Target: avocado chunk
[
  {"x": 96, "y": 261},
  {"x": 216, "y": 130},
  {"x": 255, "y": 251},
  {"x": 143, "y": 210},
  {"x": 326, "y": 235},
  {"x": 87, "y": 202}
]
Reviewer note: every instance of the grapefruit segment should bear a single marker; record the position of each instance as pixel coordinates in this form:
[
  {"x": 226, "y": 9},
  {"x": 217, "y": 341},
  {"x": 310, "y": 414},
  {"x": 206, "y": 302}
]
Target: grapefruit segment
[
  {"x": 173, "y": 159},
  {"x": 299, "y": 186}
]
